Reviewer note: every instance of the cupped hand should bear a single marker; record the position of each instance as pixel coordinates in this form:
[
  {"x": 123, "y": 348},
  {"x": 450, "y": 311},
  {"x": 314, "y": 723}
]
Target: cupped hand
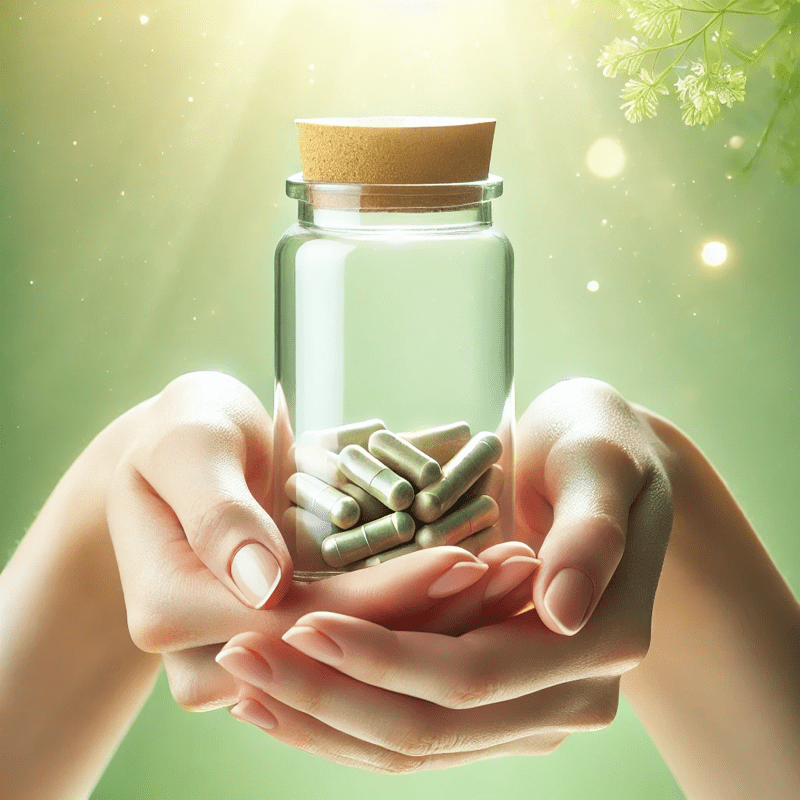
[
  {"x": 201, "y": 560},
  {"x": 594, "y": 496}
]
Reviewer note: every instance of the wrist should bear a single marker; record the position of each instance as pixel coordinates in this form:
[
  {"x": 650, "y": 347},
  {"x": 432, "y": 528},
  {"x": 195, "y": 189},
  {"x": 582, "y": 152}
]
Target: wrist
[
  {"x": 71, "y": 680},
  {"x": 723, "y": 664}
]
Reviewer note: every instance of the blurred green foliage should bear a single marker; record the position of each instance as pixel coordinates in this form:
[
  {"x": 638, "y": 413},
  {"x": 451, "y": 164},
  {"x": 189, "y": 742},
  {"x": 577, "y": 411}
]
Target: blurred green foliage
[{"x": 695, "y": 50}]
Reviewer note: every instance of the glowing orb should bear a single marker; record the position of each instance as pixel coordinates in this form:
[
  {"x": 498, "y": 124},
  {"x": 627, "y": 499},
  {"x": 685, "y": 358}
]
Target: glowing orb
[
  {"x": 715, "y": 254},
  {"x": 144, "y": 19},
  {"x": 735, "y": 142},
  {"x": 593, "y": 286},
  {"x": 606, "y": 158}
]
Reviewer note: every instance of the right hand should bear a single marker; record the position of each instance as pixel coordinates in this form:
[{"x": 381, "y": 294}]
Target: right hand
[{"x": 200, "y": 559}]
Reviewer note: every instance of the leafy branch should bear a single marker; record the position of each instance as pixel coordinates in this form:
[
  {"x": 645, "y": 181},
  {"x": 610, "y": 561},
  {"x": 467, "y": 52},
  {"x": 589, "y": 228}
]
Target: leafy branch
[{"x": 707, "y": 67}]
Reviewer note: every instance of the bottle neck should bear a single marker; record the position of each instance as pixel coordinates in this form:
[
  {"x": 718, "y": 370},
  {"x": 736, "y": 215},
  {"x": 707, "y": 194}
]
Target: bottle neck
[
  {"x": 477, "y": 215},
  {"x": 431, "y": 206}
]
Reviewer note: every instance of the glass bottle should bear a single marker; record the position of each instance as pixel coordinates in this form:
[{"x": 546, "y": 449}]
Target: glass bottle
[{"x": 393, "y": 309}]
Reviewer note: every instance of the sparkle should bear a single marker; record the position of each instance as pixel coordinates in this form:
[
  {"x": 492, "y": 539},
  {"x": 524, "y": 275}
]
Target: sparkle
[
  {"x": 735, "y": 142},
  {"x": 715, "y": 254},
  {"x": 122, "y": 193},
  {"x": 144, "y": 19},
  {"x": 191, "y": 99},
  {"x": 593, "y": 286}
]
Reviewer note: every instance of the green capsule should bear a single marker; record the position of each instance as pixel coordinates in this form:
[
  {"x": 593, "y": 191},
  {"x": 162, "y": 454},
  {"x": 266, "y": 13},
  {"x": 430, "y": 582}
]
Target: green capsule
[
  {"x": 441, "y": 443},
  {"x": 458, "y": 475},
  {"x": 479, "y": 542},
  {"x": 475, "y": 516},
  {"x": 395, "y": 552},
  {"x": 490, "y": 483},
  {"x": 307, "y": 531},
  {"x": 375, "y": 478},
  {"x": 336, "y": 439},
  {"x": 405, "y": 459},
  {"x": 323, "y": 500},
  {"x": 341, "y": 549},
  {"x": 321, "y": 463}
]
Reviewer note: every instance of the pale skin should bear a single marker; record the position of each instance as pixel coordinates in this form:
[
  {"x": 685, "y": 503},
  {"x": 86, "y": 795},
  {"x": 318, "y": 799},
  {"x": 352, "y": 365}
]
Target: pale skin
[{"x": 151, "y": 515}]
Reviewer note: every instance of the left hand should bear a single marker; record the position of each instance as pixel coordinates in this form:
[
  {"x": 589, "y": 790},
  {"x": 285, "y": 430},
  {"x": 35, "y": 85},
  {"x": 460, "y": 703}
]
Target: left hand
[{"x": 594, "y": 493}]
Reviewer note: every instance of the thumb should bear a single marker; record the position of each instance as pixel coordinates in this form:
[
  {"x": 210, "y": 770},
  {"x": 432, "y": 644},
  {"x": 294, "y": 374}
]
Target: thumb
[
  {"x": 591, "y": 486},
  {"x": 198, "y": 469}
]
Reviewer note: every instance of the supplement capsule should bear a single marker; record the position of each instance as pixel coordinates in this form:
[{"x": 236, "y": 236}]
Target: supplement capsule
[
  {"x": 375, "y": 478},
  {"x": 370, "y": 507},
  {"x": 478, "y": 542},
  {"x": 308, "y": 532},
  {"x": 322, "y": 464},
  {"x": 441, "y": 443},
  {"x": 475, "y": 516},
  {"x": 491, "y": 483},
  {"x": 458, "y": 475},
  {"x": 336, "y": 439},
  {"x": 323, "y": 500},
  {"x": 395, "y": 552},
  {"x": 345, "y": 548},
  {"x": 405, "y": 459}
]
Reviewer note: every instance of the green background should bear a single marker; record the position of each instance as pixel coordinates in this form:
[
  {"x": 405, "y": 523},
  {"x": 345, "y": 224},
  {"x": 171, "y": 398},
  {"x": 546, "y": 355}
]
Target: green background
[{"x": 138, "y": 227}]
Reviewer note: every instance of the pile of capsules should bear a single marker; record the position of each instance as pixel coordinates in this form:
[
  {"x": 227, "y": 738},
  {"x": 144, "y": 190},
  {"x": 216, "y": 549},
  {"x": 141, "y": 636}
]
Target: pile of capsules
[{"x": 408, "y": 491}]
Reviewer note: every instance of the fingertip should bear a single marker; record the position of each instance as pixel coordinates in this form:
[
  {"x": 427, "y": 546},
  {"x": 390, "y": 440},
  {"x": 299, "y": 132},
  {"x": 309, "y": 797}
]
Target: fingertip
[
  {"x": 568, "y": 601},
  {"x": 256, "y": 573},
  {"x": 250, "y": 710},
  {"x": 459, "y": 577},
  {"x": 316, "y": 618},
  {"x": 499, "y": 553},
  {"x": 580, "y": 556}
]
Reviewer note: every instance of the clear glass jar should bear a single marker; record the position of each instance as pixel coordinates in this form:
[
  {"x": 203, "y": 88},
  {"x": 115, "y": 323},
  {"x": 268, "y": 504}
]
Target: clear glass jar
[{"x": 392, "y": 303}]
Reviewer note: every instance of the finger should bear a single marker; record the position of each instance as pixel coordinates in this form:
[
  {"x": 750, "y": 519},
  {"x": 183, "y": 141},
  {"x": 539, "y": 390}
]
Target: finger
[
  {"x": 209, "y": 436},
  {"x": 590, "y": 475},
  {"x": 407, "y": 724},
  {"x": 456, "y": 672},
  {"x": 511, "y": 563},
  {"x": 197, "y": 682},
  {"x": 307, "y": 733},
  {"x": 505, "y": 590}
]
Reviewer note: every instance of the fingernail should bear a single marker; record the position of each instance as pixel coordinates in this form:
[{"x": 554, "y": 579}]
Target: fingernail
[
  {"x": 314, "y": 644},
  {"x": 252, "y": 711},
  {"x": 457, "y": 578},
  {"x": 509, "y": 575},
  {"x": 256, "y": 572},
  {"x": 567, "y": 599},
  {"x": 245, "y": 665}
]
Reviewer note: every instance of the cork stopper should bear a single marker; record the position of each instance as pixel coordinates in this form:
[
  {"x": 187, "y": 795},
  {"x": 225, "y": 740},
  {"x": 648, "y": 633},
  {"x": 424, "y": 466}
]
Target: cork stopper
[{"x": 394, "y": 152}]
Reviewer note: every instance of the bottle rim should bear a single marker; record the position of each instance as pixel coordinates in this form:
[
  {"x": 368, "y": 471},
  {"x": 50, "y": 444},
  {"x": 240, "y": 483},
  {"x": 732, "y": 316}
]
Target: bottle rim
[{"x": 393, "y": 196}]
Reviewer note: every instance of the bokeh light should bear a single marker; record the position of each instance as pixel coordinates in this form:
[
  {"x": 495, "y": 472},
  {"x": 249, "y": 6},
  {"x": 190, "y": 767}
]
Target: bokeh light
[
  {"x": 606, "y": 158},
  {"x": 715, "y": 254}
]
